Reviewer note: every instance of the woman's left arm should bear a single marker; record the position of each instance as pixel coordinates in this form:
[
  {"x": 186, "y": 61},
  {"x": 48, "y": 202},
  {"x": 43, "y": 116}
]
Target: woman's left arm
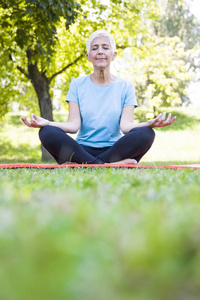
[{"x": 127, "y": 120}]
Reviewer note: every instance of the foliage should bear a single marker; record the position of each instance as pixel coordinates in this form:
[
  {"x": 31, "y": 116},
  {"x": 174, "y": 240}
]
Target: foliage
[
  {"x": 170, "y": 55},
  {"x": 177, "y": 20},
  {"x": 110, "y": 17},
  {"x": 46, "y": 42},
  {"x": 28, "y": 37},
  {"x": 166, "y": 56},
  {"x": 161, "y": 78},
  {"x": 53, "y": 44},
  {"x": 14, "y": 87},
  {"x": 32, "y": 24},
  {"x": 99, "y": 234}
]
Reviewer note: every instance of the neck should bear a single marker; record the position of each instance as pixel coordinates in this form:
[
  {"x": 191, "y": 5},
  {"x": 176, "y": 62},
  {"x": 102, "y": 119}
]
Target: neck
[{"x": 102, "y": 77}]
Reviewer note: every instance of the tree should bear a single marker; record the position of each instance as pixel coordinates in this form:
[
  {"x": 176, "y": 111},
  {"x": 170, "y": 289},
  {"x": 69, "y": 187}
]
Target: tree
[
  {"x": 28, "y": 37},
  {"x": 31, "y": 41},
  {"x": 42, "y": 40},
  {"x": 177, "y": 20},
  {"x": 165, "y": 76},
  {"x": 165, "y": 71}
]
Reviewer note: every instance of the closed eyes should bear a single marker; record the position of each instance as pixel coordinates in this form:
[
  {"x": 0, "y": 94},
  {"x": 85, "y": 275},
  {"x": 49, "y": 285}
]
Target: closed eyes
[{"x": 104, "y": 47}]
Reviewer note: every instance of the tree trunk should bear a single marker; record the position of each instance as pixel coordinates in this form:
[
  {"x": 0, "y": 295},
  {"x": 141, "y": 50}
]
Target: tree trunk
[{"x": 41, "y": 85}]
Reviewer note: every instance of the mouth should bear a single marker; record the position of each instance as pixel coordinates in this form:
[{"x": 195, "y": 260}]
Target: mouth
[{"x": 101, "y": 59}]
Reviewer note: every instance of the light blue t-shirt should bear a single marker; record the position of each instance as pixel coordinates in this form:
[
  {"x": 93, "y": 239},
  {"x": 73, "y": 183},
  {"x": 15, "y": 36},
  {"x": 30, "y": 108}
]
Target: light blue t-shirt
[{"x": 100, "y": 108}]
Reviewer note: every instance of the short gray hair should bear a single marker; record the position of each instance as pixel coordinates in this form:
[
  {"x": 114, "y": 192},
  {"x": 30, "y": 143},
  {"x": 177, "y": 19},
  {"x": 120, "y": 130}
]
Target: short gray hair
[{"x": 99, "y": 33}]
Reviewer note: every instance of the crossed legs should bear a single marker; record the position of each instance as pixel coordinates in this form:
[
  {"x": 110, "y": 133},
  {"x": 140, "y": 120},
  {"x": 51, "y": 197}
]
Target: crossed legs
[{"x": 63, "y": 148}]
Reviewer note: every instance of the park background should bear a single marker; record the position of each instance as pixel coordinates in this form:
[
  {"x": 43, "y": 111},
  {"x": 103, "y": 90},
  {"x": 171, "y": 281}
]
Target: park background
[
  {"x": 100, "y": 233},
  {"x": 43, "y": 49}
]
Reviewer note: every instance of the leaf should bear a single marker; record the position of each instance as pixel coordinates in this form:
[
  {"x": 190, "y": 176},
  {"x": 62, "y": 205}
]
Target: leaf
[{"x": 29, "y": 10}]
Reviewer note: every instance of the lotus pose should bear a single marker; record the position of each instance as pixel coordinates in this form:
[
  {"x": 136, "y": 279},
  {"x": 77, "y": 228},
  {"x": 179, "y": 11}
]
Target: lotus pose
[{"x": 101, "y": 110}]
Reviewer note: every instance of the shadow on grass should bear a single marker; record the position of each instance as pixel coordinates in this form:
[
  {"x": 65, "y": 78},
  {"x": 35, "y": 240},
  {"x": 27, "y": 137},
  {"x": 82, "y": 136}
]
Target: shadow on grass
[
  {"x": 183, "y": 121},
  {"x": 21, "y": 153}
]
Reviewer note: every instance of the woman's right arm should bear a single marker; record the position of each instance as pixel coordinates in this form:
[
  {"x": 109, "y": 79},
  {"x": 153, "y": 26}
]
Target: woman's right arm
[{"x": 71, "y": 126}]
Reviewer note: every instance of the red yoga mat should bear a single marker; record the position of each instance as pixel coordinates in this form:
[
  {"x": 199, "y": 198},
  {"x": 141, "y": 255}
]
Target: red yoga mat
[{"x": 72, "y": 165}]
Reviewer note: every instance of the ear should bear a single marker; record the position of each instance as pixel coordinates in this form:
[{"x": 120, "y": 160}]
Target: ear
[
  {"x": 87, "y": 55},
  {"x": 114, "y": 55}
]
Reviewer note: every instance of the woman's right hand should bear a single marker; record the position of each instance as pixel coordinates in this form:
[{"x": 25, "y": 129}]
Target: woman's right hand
[{"x": 35, "y": 122}]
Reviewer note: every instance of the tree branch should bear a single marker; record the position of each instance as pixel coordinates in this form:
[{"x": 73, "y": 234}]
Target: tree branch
[
  {"x": 23, "y": 71},
  {"x": 66, "y": 67},
  {"x": 19, "y": 68}
]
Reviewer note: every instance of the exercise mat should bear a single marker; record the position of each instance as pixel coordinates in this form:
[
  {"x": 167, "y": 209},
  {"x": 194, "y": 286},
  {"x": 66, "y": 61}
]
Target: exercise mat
[{"x": 73, "y": 165}]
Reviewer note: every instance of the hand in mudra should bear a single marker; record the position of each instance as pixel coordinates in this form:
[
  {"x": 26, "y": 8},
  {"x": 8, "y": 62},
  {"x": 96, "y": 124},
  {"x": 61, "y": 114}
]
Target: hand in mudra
[
  {"x": 160, "y": 121},
  {"x": 35, "y": 122}
]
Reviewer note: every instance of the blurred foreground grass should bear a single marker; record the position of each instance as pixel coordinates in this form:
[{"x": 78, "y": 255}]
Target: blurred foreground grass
[{"x": 103, "y": 234}]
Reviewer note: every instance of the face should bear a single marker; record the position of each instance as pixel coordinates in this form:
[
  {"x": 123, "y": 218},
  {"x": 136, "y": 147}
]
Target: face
[{"x": 101, "y": 53}]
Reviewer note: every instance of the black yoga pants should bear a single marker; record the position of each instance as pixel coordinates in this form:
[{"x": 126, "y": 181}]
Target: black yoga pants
[{"x": 63, "y": 148}]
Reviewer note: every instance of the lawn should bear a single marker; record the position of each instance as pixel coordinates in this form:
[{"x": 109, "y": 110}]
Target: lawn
[{"x": 102, "y": 234}]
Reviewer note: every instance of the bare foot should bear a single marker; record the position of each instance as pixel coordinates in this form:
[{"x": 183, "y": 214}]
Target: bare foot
[{"x": 126, "y": 161}]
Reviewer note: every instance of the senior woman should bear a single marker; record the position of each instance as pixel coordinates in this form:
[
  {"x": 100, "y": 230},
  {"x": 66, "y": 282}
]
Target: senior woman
[{"x": 101, "y": 108}]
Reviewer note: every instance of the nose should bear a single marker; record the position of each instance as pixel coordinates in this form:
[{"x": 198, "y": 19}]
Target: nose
[{"x": 101, "y": 50}]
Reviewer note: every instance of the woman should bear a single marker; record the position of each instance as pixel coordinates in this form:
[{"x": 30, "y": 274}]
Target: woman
[{"x": 101, "y": 106}]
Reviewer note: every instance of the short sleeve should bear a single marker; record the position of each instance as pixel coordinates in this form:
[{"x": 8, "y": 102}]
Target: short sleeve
[
  {"x": 72, "y": 94},
  {"x": 130, "y": 98}
]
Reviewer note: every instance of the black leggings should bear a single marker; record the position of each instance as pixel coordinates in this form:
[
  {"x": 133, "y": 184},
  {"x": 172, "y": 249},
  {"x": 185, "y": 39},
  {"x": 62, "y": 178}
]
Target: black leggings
[{"x": 63, "y": 148}]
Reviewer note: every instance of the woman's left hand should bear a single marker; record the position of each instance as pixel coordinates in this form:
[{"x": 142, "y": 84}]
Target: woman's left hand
[{"x": 160, "y": 121}]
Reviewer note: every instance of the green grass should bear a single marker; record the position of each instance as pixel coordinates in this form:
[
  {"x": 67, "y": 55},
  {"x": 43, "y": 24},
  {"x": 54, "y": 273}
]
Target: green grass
[
  {"x": 99, "y": 234},
  {"x": 102, "y": 234}
]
